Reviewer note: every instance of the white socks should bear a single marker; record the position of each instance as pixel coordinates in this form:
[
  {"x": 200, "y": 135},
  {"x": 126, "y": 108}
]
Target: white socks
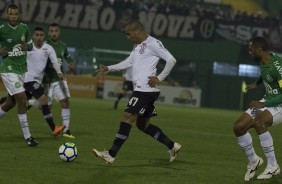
[
  {"x": 24, "y": 125},
  {"x": 245, "y": 142},
  {"x": 266, "y": 142},
  {"x": 66, "y": 118}
]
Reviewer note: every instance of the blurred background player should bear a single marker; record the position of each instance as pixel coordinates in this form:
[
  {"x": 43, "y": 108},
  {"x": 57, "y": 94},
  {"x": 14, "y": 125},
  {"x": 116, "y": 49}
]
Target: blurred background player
[
  {"x": 127, "y": 86},
  {"x": 15, "y": 40},
  {"x": 57, "y": 88},
  {"x": 36, "y": 63}
]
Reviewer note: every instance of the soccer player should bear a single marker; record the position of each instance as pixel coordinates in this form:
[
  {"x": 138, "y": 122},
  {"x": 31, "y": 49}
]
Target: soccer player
[
  {"x": 15, "y": 40},
  {"x": 58, "y": 88},
  {"x": 36, "y": 63},
  {"x": 143, "y": 59},
  {"x": 262, "y": 114},
  {"x": 127, "y": 86}
]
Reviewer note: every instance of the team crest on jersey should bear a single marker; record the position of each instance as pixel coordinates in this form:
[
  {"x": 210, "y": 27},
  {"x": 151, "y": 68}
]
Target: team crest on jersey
[
  {"x": 18, "y": 85},
  {"x": 143, "y": 47},
  {"x": 17, "y": 51},
  {"x": 9, "y": 40},
  {"x": 10, "y": 67},
  {"x": 36, "y": 85},
  {"x": 23, "y": 38},
  {"x": 269, "y": 78}
]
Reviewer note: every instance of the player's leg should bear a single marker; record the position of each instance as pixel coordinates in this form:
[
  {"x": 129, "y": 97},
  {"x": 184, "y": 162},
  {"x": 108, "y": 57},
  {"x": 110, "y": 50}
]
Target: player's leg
[
  {"x": 143, "y": 124},
  {"x": 14, "y": 85},
  {"x": 261, "y": 122},
  {"x": 244, "y": 139},
  {"x": 38, "y": 92},
  {"x": 8, "y": 104},
  {"x": 3, "y": 99},
  {"x": 61, "y": 92},
  {"x": 129, "y": 116}
]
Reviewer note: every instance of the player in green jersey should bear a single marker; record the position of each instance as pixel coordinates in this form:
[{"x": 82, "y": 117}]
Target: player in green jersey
[
  {"x": 264, "y": 113},
  {"x": 15, "y": 40},
  {"x": 58, "y": 88}
]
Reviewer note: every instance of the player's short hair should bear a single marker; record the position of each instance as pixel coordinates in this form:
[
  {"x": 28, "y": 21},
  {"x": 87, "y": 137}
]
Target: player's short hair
[
  {"x": 260, "y": 42},
  {"x": 38, "y": 29},
  {"x": 54, "y": 25},
  {"x": 12, "y": 6},
  {"x": 135, "y": 25}
]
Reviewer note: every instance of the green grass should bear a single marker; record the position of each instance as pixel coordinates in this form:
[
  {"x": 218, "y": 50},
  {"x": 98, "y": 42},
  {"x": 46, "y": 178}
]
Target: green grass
[{"x": 210, "y": 152}]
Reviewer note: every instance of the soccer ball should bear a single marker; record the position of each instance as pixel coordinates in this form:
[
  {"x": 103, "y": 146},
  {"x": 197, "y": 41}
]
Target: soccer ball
[{"x": 68, "y": 152}]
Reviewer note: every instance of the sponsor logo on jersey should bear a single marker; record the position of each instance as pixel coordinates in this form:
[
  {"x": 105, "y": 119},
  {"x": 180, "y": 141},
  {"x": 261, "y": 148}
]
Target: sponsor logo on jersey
[
  {"x": 269, "y": 78},
  {"x": 269, "y": 89},
  {"x": 17, "y": 51},
  {"x": 278, "y": 66}
]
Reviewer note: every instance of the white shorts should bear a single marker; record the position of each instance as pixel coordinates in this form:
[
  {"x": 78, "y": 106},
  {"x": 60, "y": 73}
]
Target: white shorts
[
  {"x": 275, "y": 111},
  {"x": 13, "y": 82},
  {"x": 58, "y": 90}
]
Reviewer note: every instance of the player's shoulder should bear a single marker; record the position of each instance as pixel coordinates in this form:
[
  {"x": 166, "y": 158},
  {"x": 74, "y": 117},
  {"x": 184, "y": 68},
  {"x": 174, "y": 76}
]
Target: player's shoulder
[
  {"x": 63, "y": 43},
  {"x": 23, "y": 25},
  {"x": 153, "y": 42},
  {"x": 4, "y": 26},
  {"x": 47, "y": 46}
]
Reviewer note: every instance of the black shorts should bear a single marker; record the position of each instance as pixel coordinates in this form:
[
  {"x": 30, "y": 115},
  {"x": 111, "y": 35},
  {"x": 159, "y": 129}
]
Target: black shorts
[
  {"x": 33, "y": 89},
  {"x": 127, "y": 86},
  {"x": 142, "y": 104}
]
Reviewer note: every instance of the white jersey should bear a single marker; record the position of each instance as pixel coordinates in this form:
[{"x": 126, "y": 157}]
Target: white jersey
[
  {"x": 144, "y": 59},
  {"x": 128, "y": 74},
  {"x": 37, "y": 61}
]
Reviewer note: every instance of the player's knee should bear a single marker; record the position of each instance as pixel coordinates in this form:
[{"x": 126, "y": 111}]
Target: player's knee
[
  {"x": 141, "y": 123},
  {"x": 259, "y": 126},
  {"x": 239, "y": 128},
  {"x": 128, "y": 118}
]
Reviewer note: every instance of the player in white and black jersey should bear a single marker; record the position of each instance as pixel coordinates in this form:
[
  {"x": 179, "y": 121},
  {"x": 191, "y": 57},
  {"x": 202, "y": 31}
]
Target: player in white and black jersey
[
  {"x": 36, "y": 63},
  {"x": 127, "y": 86},
  {"x": 143, "y": 59}
]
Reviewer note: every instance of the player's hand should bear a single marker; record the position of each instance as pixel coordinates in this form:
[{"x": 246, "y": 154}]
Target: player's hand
[
  {"x": 3, "y": 52},
  {"x": 251, "y": 86},
  {"x": 102, "y": 71},
  {"x": 153, "y": 81},
  {"x": 61, "y": 76},
  {"x": 257, "y": 105},
  {"x": 24, "y": 47}
]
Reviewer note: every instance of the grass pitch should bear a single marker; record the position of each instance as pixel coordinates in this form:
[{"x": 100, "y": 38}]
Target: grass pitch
[{"x": 209, "y": 155}]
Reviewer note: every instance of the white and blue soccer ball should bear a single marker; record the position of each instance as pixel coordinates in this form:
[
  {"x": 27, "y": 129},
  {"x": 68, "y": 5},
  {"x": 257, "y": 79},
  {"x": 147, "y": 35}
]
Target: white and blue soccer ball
[{"x": 68, "y": 152}]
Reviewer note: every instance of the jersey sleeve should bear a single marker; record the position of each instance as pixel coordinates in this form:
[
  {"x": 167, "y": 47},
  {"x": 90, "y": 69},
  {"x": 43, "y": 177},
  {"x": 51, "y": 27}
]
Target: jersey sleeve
[
  {"x": 278, "y": 98},
  {"x": 52, "y": 54},
  {"x": 28, "y": 38},
  {"x": 127, "y": 63},
  {"x": 67, "y": 56},
  {"x": 158, "y": 48}
]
